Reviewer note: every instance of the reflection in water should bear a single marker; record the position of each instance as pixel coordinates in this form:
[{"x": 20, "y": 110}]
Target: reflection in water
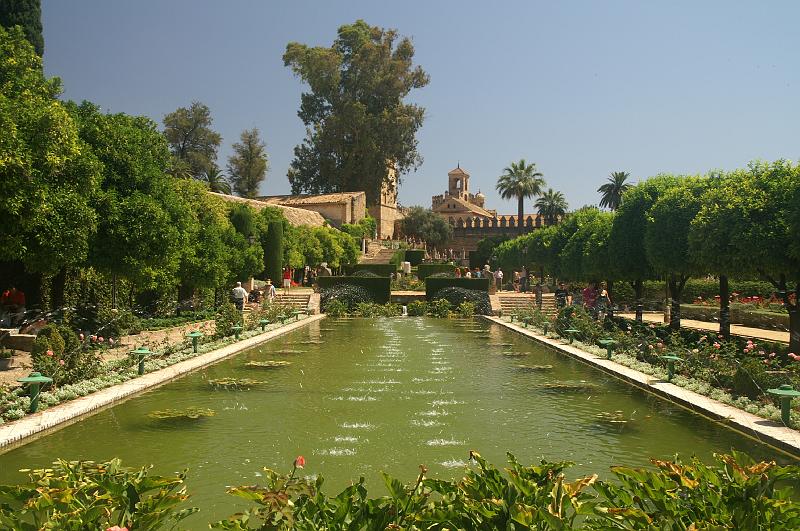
[{"x": 363, "y": 396}]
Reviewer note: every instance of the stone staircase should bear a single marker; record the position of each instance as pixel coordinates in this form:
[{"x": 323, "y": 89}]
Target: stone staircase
[
  {"x": 509, "y": 302},
  {"x": 382, "y": 256},
  {"x": 297, "y": 300}
]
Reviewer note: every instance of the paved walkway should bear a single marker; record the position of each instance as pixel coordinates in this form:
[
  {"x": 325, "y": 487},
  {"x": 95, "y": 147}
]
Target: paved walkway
[{"x": 738, "y": 330}]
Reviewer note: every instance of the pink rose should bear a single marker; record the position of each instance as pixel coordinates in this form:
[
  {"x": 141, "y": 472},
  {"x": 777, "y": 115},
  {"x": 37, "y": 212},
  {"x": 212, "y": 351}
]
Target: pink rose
[
  {"x": 100, "y": 339},
  {"x": 117, "y": 528},
  {"x": 300, "y": 462},
  {"x": 717, "y": 345},
  {"x": 81, "y": 336},
  {"x": 111, "y": 341},
  {"x": 61, "y": 362},
  {"x": 49, "y": 353}
]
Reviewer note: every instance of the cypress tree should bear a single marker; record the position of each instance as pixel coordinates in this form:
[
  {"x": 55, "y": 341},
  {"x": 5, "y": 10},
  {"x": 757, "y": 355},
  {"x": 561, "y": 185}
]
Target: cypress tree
[
  {"x": 25, "y": 13},
  {"x": 273, "y": 252}
]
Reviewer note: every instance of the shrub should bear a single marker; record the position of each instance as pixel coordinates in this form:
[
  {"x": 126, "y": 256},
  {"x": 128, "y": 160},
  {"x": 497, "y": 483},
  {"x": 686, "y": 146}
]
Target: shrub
[
  {"x": 455, "y": 296},
  {"x": 443, "y": 274},
  {"x": 439, "y": 308},
  {"x": 378, "y": 288},
  {"x": 349, "y": 294},
  {"x": 426, "y": 270},
  {"x": 414, "y": 256},
  {"x": 59, "y": 354},
  {"x": 466, "y": 309},
  {"x": 365, "y": 273},
  {"x": 336, "y": 308},
  {"x": 227, "y": 317},
  {"x": 417, "y": 308},
  {"x": 368, "y": 309},
  {"x": 117, "y": 323}
]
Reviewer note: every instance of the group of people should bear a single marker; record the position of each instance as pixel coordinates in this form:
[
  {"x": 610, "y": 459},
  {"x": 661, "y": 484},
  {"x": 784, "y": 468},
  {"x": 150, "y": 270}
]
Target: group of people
[
  {"x": 596, "y": 300},
  {"x": 12, "y": 307},
  {"x": 520, "y": 282}
]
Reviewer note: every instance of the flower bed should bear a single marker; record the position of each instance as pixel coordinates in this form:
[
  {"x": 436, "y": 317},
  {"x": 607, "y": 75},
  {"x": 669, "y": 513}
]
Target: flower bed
[{"x": 736, "y": 372}]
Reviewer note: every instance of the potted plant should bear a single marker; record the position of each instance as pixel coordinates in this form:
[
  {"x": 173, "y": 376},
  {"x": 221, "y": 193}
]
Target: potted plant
[{"x": 6, "y": 359}]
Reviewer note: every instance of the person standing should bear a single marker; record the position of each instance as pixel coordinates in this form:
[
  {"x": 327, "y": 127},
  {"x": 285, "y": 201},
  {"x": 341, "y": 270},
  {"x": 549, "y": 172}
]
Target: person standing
[
  {"x": 523, "y": 280},
  {"x": 498, "y": 279},
  {"x": 271, "y": 291},
  {"x": 287, "y": 280},
  {"x": 239, "y": 296},
  {"x": 561, "y": 294},
  {"x": 603, "y": 304}
]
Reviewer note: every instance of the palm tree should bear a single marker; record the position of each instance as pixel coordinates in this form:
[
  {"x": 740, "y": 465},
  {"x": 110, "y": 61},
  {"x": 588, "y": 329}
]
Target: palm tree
[
  {"x": 612, "y": 191},
  {"x": 217, "y": 182},
  {"x": 179, "y": 168},
  {"x": 520, "y": 180},
  {"x": 552, "y": 206}
]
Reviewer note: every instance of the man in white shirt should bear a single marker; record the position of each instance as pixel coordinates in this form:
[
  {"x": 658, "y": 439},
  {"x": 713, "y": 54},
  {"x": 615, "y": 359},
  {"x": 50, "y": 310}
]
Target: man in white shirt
[
  {"x": 239, "y": 296},
  {"x": 498, "y": 278}
]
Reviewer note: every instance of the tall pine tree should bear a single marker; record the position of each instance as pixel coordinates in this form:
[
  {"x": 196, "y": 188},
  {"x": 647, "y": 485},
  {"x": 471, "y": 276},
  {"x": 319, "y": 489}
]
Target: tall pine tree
[{"x": 248, "y": 164}]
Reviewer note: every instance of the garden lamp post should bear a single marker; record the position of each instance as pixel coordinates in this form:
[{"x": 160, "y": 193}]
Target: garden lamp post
[
  {"x": 35, "y": 381},
  {"x": 571, "y": 333},
  {"x": 141, "y": 354},
  {"x": 609, "y": 345},
  {"x": 786, "y": 394},
  {"x": 263, "y": 323},
  {"x": 195, "y": 336},
  {"x": 236, "y": 331},
  {"x": 671, "y": 359}
]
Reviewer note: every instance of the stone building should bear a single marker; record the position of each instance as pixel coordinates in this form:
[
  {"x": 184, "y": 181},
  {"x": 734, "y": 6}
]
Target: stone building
[
  {"x": 386, "y": 212},
  {"x": 336, "y": 208},
  {"x": 471, "y": 220}
]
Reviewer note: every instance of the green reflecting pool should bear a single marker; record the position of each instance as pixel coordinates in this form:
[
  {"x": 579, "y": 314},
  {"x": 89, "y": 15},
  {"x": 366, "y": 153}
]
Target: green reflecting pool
[{"x": 363, "y": 396}]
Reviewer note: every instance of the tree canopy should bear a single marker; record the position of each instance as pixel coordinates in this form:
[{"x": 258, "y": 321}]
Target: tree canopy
[
  {"x": 191, "y": 140},
  {"x": 248, "y": 164},
  {"x": 427, "y": 225},
  {"x": 359, "y": 130},
  {"x": 28, "y": 15},
  {"x": 47, "y": 176}
]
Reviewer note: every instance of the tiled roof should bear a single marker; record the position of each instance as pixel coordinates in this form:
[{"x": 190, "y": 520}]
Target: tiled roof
[
  {"x": 457, "y": 171},
  {"x": 340, "y": 197},
  {"x": 465, "y": 205},
  {"x": 295, "y": 216}
]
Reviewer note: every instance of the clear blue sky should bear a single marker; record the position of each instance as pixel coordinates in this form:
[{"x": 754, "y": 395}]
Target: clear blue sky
[{"x": 581, "y": 88}]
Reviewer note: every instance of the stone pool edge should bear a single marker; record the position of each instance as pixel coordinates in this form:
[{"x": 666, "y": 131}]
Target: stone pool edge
[
  {"x": 30, "y": 427},
  {"x": 763, "y": 430}
]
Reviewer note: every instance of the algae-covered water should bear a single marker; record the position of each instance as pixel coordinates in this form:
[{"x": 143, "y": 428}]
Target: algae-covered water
[{"x": 363, "y": 396}]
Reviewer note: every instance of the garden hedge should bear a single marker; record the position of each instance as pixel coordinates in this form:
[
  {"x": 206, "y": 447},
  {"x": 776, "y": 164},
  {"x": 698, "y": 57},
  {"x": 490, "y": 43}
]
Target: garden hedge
[
  {"x": 273, "y": 252},
  {"x": 382, "y": 270},
  {"x": 380, "y": 288},
  {"x": 741, "y": 314},
  {"x": 415, "y": 256},
  {"x": 426, "y": 270},
  {"x": 432, "y": 285}
]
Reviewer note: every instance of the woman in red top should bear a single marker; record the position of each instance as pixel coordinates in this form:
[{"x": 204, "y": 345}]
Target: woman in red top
[{"x": 287, "y": 279}]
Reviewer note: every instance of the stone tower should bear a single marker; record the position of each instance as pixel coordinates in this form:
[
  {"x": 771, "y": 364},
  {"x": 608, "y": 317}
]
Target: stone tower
[{"x": 458, "y": 183}]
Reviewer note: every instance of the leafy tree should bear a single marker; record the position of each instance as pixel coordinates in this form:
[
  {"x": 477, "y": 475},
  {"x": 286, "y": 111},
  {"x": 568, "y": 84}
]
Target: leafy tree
[
  {"x": 190, "y": 137},
  {"x": 626, "y": 240},
  {"x": 552, "y": 206},
  {"x": 143, "y": 221},
  {"x": 358, "y": 129},
  {"x": 273, "y": 251},
  {"x": 518, "y": 181},
  {"x": 576, "y": 231},
  {"x": 666, "y": 237},
  {"x": 425, "y": 224},
  {"x": 614, "y": 189},
  {"x": 485, "y": 250},
  {"x": 248, "y": 164},
  {"x": 216, "y": 180},
  {"x": 748, "y": 225},
  {"x": 48, "y": 176},
  {"x": 28, "y": 15},
  {"x": 205, "y": 262}
]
